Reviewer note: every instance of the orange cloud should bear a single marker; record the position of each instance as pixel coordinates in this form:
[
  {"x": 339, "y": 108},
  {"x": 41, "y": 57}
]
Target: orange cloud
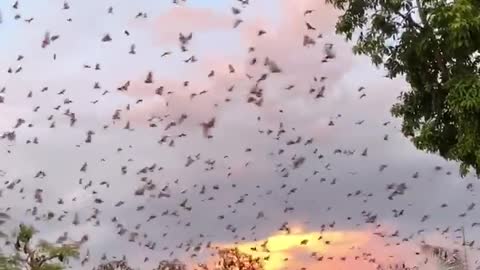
[{"x": 281, "y": 246}]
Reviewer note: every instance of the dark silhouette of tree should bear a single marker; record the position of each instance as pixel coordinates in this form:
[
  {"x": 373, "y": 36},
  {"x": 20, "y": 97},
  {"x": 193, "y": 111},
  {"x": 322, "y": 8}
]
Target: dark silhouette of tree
[
  {"x": 171, "y": 265},
  {"x": 228, "y": 259},
  {"x": 123, "y": 265},
  {"x": 396, "y": 267},
  {"x": 114, "y": 265},
  {"x": 234, "y": 259}
]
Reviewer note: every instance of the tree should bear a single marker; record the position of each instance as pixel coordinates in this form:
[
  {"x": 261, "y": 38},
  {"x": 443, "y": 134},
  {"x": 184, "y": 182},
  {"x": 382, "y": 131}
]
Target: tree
[
  {"x": 171, "y": 265},
  {"x": 114, "y": 265},
  {"x": 45, "y": 256},
  {"x": 3, "y": 218},
  {"x": 435, "y": 45},
  {"x": 228, "y": 259},
  {"x": 445, "y": 258},
  {"x": 6, "y": 263},
  {"x": 123, "y": 265},
  {"x": 396, "y": 267},
  {"x": 234, "y": 259}
]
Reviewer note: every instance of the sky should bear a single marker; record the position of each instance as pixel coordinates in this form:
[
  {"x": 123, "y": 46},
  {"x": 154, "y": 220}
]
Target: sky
[{"x": 247, "y": 195}]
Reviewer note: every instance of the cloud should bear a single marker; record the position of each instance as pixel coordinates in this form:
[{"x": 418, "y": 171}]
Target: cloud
[
  {"x": 185, "y": 19},
  {"x": 330, "y": 249},
  {"x": 282, "y": 43},
  {"x": 253, "y": 177}
]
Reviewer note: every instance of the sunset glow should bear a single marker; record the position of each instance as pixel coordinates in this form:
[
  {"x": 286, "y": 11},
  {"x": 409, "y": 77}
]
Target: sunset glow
[{"x": 280, "y": 250}]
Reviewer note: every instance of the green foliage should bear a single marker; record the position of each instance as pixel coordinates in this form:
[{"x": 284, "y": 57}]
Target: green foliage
[
  {"x": 435, "y": 45},
  {"x": 3, "y": 218},
  {"x": 9, "y": 263},
  {"x": 52, "y": 266},
  {"x": 45, "y": 256},
  {"x": 26, "y": 233},
  {"x": 63, "y": 252}
]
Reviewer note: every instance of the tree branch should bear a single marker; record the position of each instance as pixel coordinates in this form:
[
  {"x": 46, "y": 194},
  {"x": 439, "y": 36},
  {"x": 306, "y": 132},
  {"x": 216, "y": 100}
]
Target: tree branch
[
  {"x": 409, "y": 19},
  {"x": 28, "y": 251},
  {"x": 421, "y": 13},
  {"x": 438, "y": 56},
  {"x": 46, "y": 259}
]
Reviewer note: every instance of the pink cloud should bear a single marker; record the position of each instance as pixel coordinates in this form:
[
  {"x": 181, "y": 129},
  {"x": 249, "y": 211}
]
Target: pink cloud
[
  {"x": 184, "y": 19},
  {"x": 283, "y": 43}
]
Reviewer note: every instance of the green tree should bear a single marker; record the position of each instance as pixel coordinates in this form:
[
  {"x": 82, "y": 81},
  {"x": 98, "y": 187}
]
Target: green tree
[
  {"x": 45, "y": 256},
  {"x": 6, "y": 262},
  {"x": 435, "y": 45},
  {"x": 3, "y": 218}
]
